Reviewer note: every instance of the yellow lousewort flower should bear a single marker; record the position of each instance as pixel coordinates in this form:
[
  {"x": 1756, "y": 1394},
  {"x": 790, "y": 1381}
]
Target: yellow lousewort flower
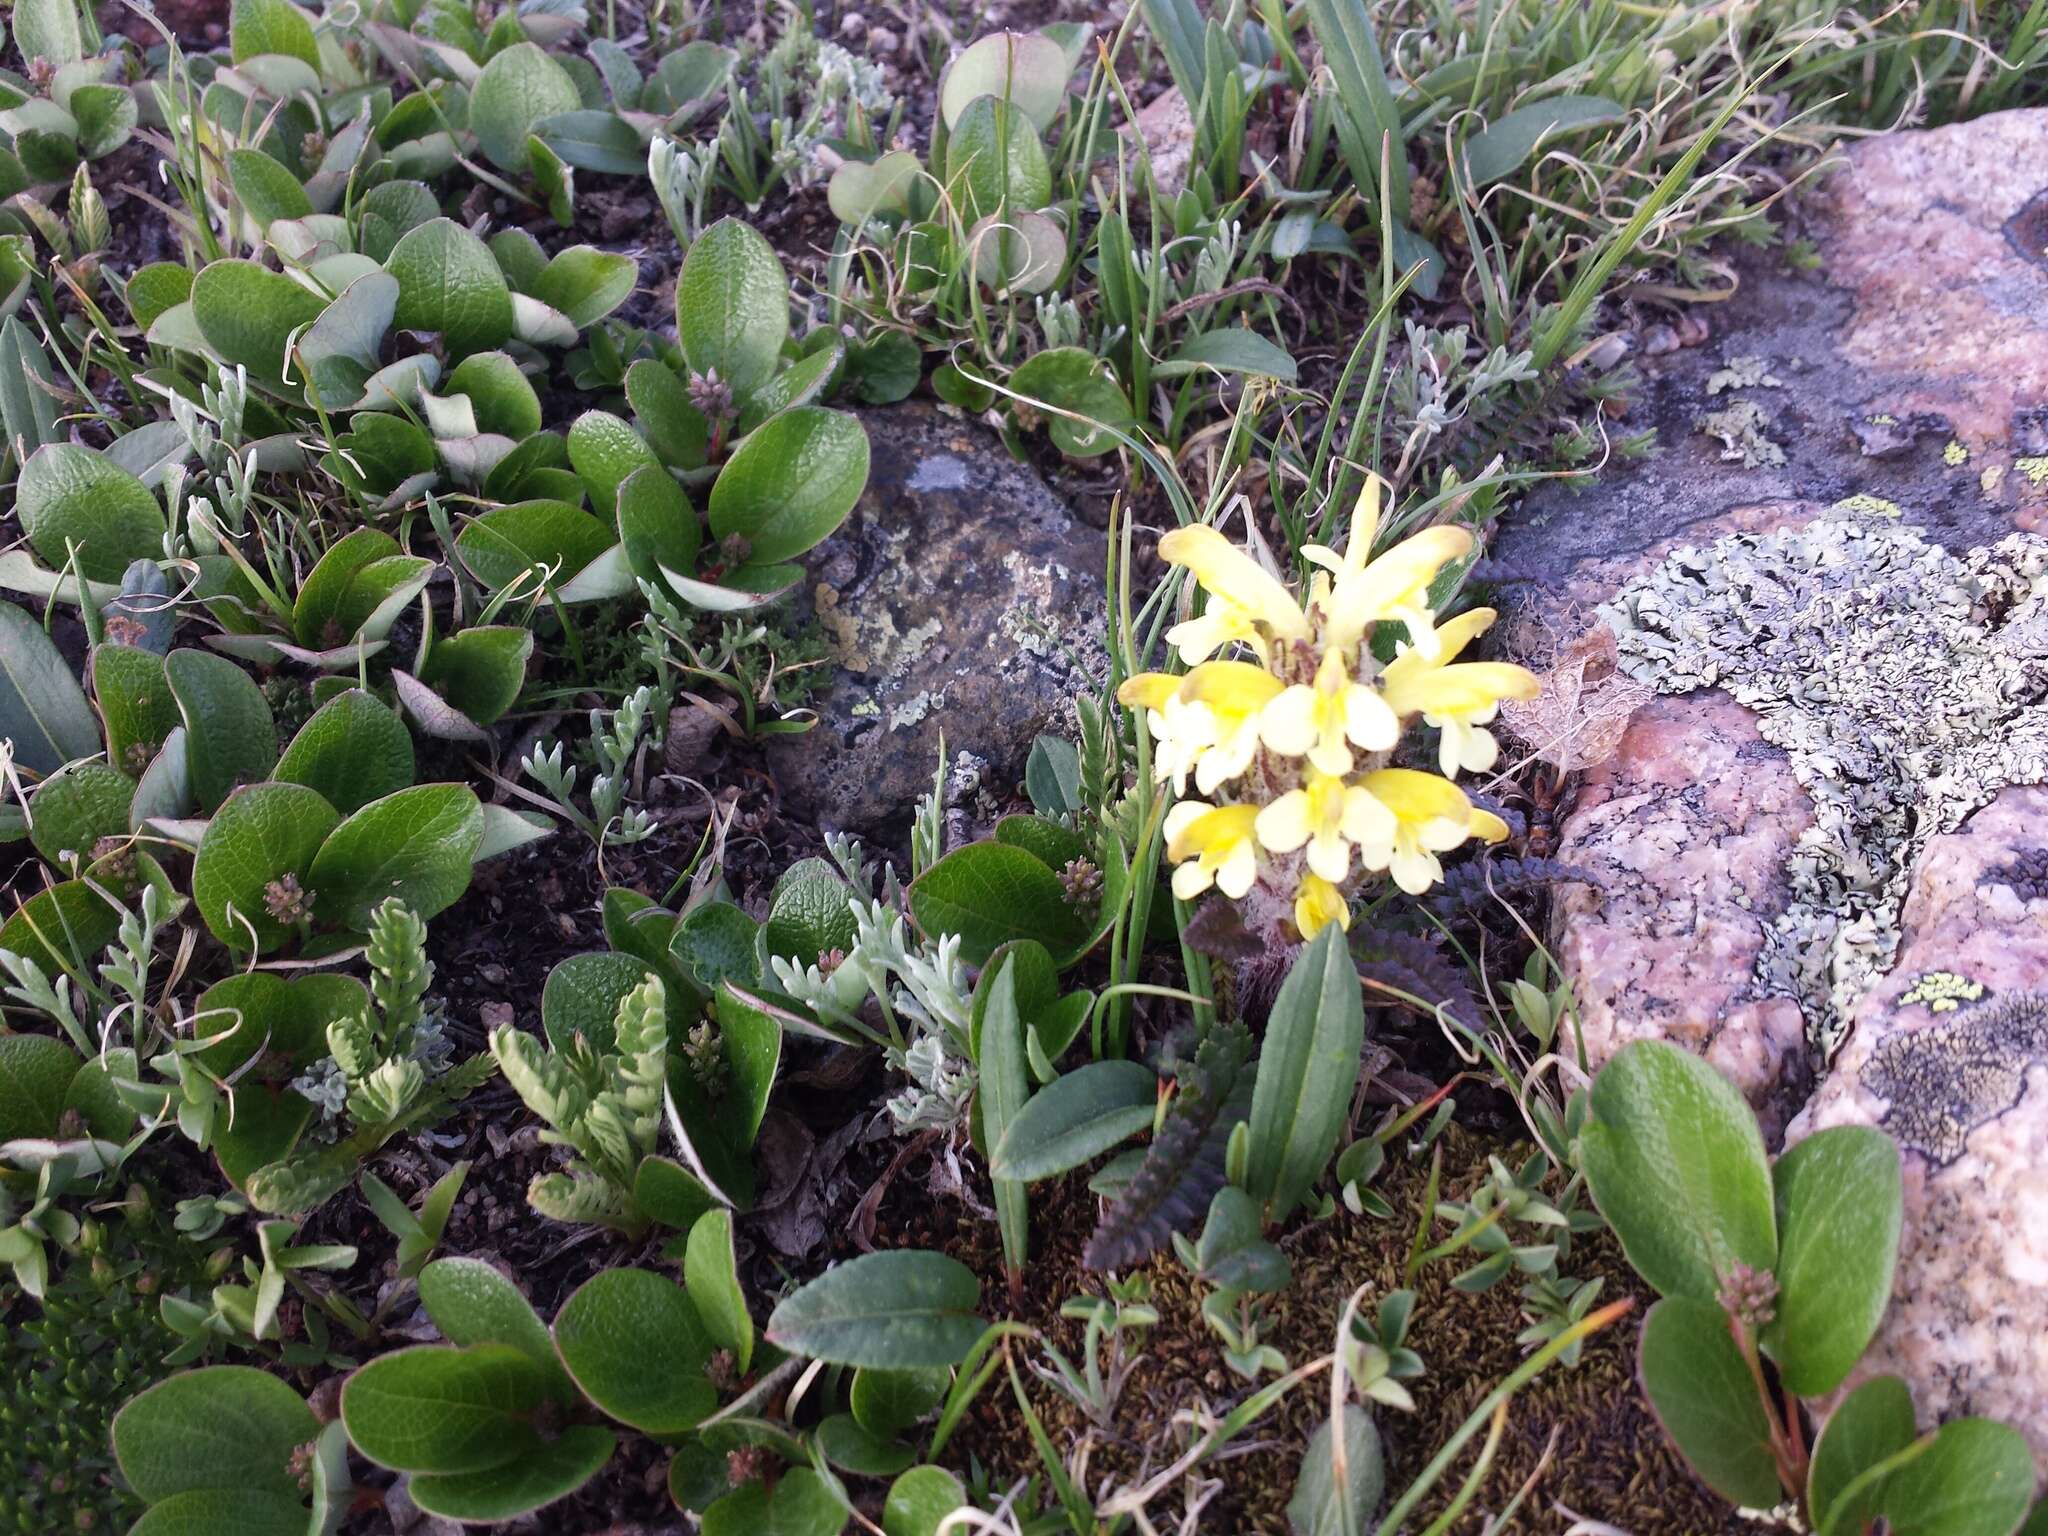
[
  {"x": 1226, "y": 700},
  {"x": 1430, "y": 816},
  {"x": 1181, "y": 735},
  {"x": 1212, "y": 845},
  {"x": 1395, "y": 586},
  {"x": 1365, "y": 527},
  {"x": 1458, "y": 698},
  {"x": 1322, "y": 722},
  {"x": 1317, "y": 903},
  {"x": 1247, "y": 601},
  {"x": 1330, "y": 817}
]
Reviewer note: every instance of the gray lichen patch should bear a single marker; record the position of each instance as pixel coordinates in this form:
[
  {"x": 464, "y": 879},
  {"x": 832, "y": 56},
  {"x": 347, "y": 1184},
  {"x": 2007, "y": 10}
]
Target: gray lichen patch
[
  {"x": 1944, "y": 1081},
  {"x": 1746, "y": 372},
  {"x": 1739, "y": 429},
  {"x": 1906, "y": 686}
]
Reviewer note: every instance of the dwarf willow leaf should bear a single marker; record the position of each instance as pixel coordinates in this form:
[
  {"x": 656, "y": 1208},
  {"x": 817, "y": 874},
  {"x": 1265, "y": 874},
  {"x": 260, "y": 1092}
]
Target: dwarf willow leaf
[
  {"x": 417, "y": 845},
  {"x": 711, "y": 1274},
  {"x": 260, "y": 27},
  {"x": 1676, "y": 1164},
  {"x": 230, "y": 737},
  {"x": 992, "y": 893},
  {"x": 1839, "y": 1205},
  {"x": 995, "y": 164},
  {"x": 35, "y": 1075},
  {"x": 69, "y": 496},
  {"x": 1704, "y": 1396},
  {"x": 553, "y": 1470},
  {"x": 517, "y": 89},
  {"x": 449, "y": 283},
  {"x": 445, "y": 1410},
  {"x": 353, "y": 750},
  {"x": 1326, "y": 1504},
  {"x": 247, "y": 313},
  {"x": 920, "y": 1500},
  {"x": 732, "y": 306},
  {"x": 1870, "y": 1425},
  {"x": 223, "y": 1426},
  {"x": 637, "y": 1348},
  {"x": 250, "y": 876}
]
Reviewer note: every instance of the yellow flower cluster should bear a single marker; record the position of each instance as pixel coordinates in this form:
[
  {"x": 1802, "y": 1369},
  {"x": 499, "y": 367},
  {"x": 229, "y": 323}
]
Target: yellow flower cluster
[{"x": 1289, "y": 753}]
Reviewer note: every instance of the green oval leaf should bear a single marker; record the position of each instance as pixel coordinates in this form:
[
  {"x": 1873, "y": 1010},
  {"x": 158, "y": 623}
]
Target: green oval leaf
[
  {"x": 223, "y": 1426},
  {"x": 418, "y": 845},
  {"x": 353, "y": 750},
  {"x": 260, "y": 835},
  {"x": 437, "y": 1409},
  {"x": 68, "y": 495},
  {"x": 712, "y": 1276},
  {"x": 1870, "y": 1425},
  {"x": 732, "y": 306},
  {"x": 471, "y": 1303},
  {"x": 449, "y": 282},
  {"x": 35, "y": 1075},
  {"x": 635, "y": 1345},
  {"x": 1975, "y": 1479},
  {"x": 518, "y": 88},
  {"x": 791, "y": 483},
  {"x": 550, "y": 1471},
  {"x": 1706, "y": 1399},
  {"x": 230, "y": 736},
  {"x": 990, "y": 894},
  {"x": 1676, "y": 1164},
  {"x": 1839, "y": 1204},
  {"x": 247, "y": 314},
  {"x": 920, "y": 1500}
]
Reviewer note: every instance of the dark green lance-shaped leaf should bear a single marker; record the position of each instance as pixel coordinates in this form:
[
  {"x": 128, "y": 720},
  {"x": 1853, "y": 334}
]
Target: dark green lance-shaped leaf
[
  {"x": 995, "y": 163},
  {"x": 1308, "y": 1070},
  {"x": 28, "y": 412},
  {"x": 43, "y": 711},
  {"x": 70, "y": 497},
  {"x": 1004, "y": 1089},
  {"x": 1075, "y": 1118},
  {"x": 257, "y": 27},
  {"x": 791, "y": 483},
  {"x": 991, "y": 894},
  {"x": 135, "y": 702},
  {"x": 552, "y": 1470},
  {"x": 247, "y": 314},
  {"x": 895, "y": 1310},
  {"x": 711, "y": 1275},
  {"x": 472, "y": 1303},
  {"x": 518, "y": 88},
  {"x": 252, "y": 867},
  {"x": 62, "y": 928},
  {"x": 732, "y": 306},
  {"x": 1706, "y": 1399},
  {"x": 1327, "y": 1503},
  {"x": 1869, "y": 1426},
  {"x": 1676, "y": 1164},
  {"x": 223, "y": 1426},
  {"x": 78, "y": 806},
  {"x": 230, "y": 737},
  {"x": 719, "y": 1133},
  {"x": 224, "y": 1512},
  {"x": 448, "y": 282},
  {"x": 35, "y": 1075},
  {"x": 1052, "y": 776},
  {"x": 1839, "y": 1203},
  {"x": 437, "y": 1409},
  {"x": 354, "y": 750},
  {"x": 480, "y": 670},
  {"x": 1975, "y": 1479},
  {"x": 1500, "y": 148},
  {"x": 635, "y": 1345},
  {"x": 418, "y": 845},
  {"x": 1232, "y": 349},
  {"x": 920, "y": 1500},
  {"x": 1365, "y": 98}
]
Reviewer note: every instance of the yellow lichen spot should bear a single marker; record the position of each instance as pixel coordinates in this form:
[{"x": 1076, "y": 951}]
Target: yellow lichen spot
[
  {"x": 2035, "y": 468},
  {"x": 1863, "y": 504},
  {"x": 1989, "y": 481},
  {"x": 1941, "y": 992},
  {"x": 1882, "y": 420},
  {"x": 1955, "y": 455}
]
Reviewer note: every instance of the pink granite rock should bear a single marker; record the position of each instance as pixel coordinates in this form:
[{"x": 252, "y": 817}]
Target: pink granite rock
[
  {"x": 1687, "y": 828},
  {"x": 1950, "y": 1056}
]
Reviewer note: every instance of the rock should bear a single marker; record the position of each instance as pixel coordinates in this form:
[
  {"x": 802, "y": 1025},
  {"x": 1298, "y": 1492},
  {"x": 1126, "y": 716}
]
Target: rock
[
  {"x": 1686, "y": 828},
  {"x": 961, "y": 599},
  {"x": 1901, "y": 381},
  {"x": 1166, "y": 129},
  {"x": 1950, "y": 1055}
]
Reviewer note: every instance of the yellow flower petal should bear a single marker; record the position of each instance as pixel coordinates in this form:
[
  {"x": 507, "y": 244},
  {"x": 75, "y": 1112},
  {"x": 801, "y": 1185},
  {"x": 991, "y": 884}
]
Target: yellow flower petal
[
  {"x": 1487, "y": 827},
  {"x": 1399, "y": 579},
  {"x": 1148, "y": 690},
  {"x": 1317, "y": 904},
  {"x": 1231, "y": 574},
  {"x": 1417, "y": 798},
  {"x": 1231, "y": 687}
]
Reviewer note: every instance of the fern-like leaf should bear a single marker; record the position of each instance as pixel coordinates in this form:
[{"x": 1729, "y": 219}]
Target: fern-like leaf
[
  {"x": 1477, "y": 883},
  {"x": 1416, "y": 964},
  {"x": 581, "y": 1196},
  {"x": 1184, "y": 1166}
]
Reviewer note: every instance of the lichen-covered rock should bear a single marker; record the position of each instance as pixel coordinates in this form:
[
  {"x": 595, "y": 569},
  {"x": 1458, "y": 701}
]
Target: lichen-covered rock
[
  {"x": 1906, "y": 686},
  {"x": 1686, "y": 829},
  {"x": 960, "y": 599},
  {"x": 1949, "y": 1054}
]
